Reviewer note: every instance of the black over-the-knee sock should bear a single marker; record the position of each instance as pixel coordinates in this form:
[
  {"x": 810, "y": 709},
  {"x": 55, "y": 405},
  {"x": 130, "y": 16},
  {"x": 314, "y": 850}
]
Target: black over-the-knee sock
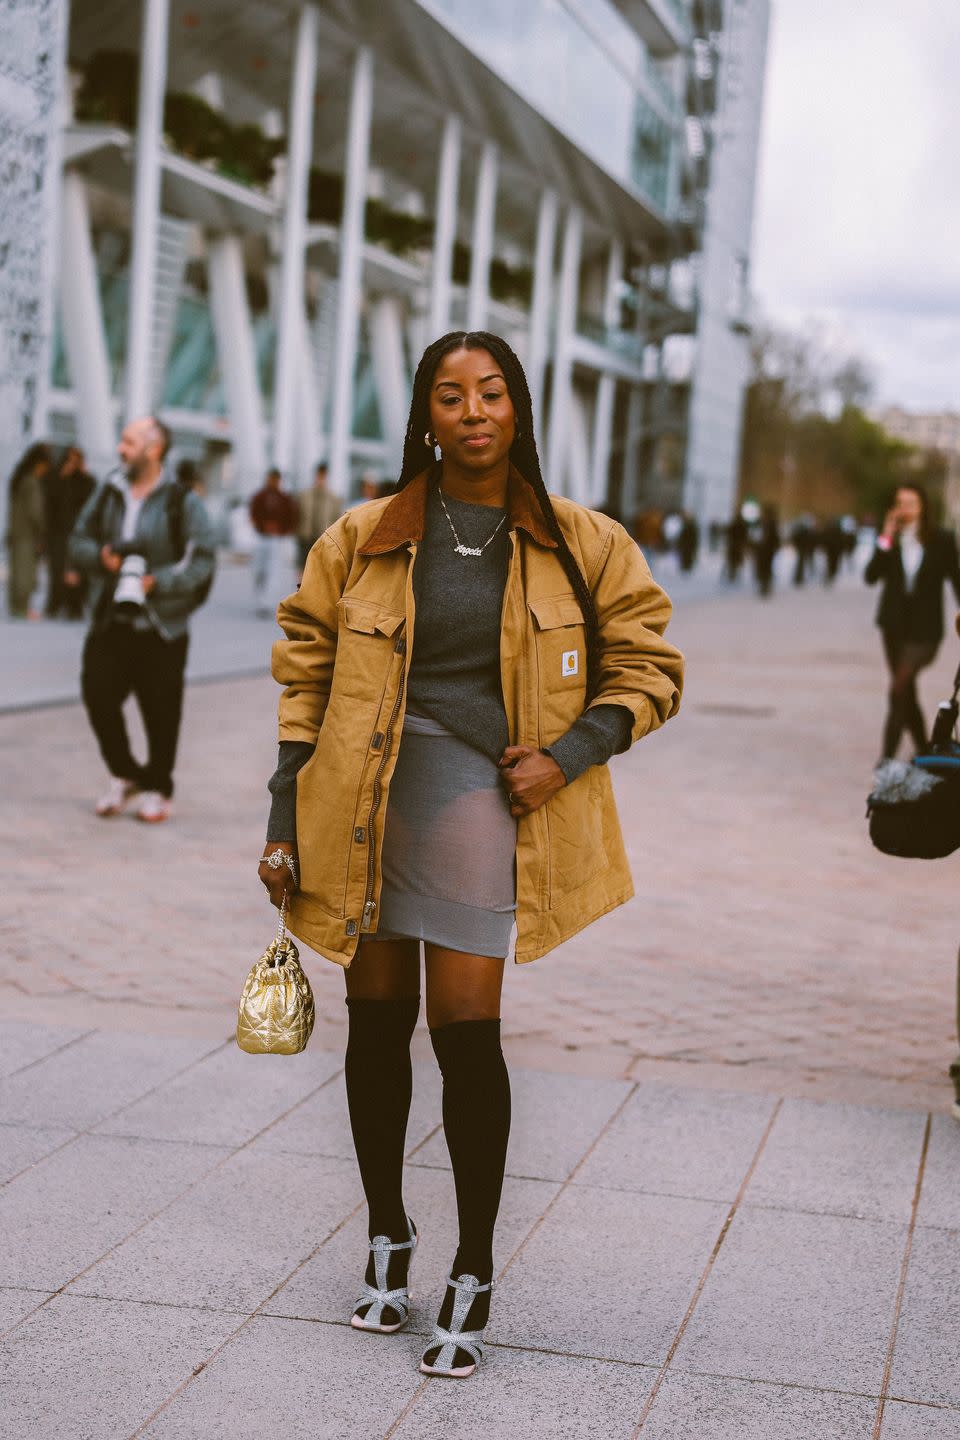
[
  {"x": 476, "y": 1123},
  {"x": 379, "y": 1085}
]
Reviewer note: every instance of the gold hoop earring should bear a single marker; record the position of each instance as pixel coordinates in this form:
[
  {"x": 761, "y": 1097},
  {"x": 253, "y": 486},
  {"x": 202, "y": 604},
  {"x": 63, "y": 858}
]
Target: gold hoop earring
[{"x": 430, "y": 441}]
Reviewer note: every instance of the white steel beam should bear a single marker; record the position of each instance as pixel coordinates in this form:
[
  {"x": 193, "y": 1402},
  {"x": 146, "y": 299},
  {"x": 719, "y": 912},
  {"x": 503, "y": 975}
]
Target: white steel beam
[
  {"x": 307, "y": 426},
  {"x": 237, "y": 360},
  {"x": 540, "y": 303},
  {"x": 445, "y": 230},
  {"x": 350, "y": 269},
  {"x": 606, "y": 385},
  {"x": 630, "y": 489},
  {"x": 484, "y": 215},
  {"x": 390, "y": 372},
  {"x": 84, "y": 337},
  {"x": 290, "y": 315},
  {"x": 561, "y": 397},
  {"x": 146, "y": 206}
]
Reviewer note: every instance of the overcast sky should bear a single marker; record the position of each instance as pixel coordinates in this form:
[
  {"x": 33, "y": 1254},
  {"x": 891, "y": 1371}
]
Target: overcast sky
[{"x": 857, "y": 225}]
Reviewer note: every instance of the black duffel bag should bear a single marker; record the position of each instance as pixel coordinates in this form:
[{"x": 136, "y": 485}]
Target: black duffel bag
[{"x": 914, "y": 809}]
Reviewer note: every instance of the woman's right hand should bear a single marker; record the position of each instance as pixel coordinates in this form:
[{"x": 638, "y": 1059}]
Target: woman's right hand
[
  {"x": 890, "y": 524},
  {"x": 277, "y": 881}
]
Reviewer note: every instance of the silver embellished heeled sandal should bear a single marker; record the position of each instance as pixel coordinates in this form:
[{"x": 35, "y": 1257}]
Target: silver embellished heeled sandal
[
  {"x": 466, "y": 1289},
  {"x": 377, "y": 1297}
]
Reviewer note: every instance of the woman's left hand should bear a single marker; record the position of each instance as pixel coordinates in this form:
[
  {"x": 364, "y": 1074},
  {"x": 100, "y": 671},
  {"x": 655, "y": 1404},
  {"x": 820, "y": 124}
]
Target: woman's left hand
[{"x": 530, "y": 777}]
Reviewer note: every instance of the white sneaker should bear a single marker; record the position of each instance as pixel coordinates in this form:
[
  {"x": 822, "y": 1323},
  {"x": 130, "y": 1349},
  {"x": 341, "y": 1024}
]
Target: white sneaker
[
  {"x": 153, "y": 807},
  {"x": 114, "y": 799}
]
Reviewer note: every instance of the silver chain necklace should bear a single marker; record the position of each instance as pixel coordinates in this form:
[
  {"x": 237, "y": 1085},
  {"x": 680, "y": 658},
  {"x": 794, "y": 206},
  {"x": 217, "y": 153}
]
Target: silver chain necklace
[{"x": 460, "y": 548}]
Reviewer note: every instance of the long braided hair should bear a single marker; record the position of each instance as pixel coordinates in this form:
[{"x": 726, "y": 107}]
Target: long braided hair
[{"x": 523, "y": 454}]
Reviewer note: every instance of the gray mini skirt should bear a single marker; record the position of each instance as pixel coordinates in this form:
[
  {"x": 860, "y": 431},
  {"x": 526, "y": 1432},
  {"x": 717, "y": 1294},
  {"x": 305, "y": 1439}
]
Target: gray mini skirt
[{"x": 449, "y": 846}]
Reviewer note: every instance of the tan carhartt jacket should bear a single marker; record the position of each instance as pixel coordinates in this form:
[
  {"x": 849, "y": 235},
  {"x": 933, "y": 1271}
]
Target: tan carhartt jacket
[{"x": 349, "y": 637}]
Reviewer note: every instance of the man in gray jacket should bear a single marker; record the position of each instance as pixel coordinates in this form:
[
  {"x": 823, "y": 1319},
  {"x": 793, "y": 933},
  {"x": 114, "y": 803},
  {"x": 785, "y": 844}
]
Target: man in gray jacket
[{"x": 148, "y": 549}]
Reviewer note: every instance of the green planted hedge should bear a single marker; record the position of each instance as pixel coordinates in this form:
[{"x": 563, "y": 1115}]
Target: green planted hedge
[{"x": 108, "y": 95}]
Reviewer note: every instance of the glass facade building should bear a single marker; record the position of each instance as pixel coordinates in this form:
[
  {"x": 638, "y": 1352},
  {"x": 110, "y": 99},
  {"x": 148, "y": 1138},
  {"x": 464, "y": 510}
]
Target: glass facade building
[{"x": 266, "y": 212}]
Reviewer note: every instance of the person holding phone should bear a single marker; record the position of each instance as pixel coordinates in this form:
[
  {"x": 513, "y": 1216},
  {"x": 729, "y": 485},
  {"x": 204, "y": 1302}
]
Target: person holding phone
[{"x": 912, "y": 559}]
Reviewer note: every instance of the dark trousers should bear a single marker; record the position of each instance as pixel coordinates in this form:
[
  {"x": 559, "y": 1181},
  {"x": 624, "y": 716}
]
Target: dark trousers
[
  {"x": 119, "y": 661},
  {"x": 61, "y": 597},
  {"x": 906, "y": 658},
  {"x": 57, "y": 590}
]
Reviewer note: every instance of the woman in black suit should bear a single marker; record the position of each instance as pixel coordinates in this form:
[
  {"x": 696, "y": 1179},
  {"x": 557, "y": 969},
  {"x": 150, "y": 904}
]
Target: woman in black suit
[{"x": 913, "y": 560}]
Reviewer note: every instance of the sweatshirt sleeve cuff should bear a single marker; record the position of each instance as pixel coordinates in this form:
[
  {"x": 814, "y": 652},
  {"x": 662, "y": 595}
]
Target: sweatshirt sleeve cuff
[
  {"x": 282, "y": 823},
  {"x": 600, "y": 732}
]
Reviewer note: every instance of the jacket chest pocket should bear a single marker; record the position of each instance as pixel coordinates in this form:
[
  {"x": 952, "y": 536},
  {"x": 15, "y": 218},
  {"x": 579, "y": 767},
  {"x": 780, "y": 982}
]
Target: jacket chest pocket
[
  {"x": 367, "y": 640},
  {"x": 561, "y": 650}
]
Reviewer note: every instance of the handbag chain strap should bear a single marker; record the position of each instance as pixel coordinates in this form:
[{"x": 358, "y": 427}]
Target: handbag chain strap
[{"x": 282, "y": 924}]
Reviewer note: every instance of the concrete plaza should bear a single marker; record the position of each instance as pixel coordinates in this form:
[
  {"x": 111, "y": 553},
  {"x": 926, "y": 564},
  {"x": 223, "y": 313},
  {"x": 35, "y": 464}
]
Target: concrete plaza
[{"x": 734, "y": 1181}]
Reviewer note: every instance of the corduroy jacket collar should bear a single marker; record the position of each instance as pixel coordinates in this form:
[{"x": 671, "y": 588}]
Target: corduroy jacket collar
[{"x": 403, "y": 519}]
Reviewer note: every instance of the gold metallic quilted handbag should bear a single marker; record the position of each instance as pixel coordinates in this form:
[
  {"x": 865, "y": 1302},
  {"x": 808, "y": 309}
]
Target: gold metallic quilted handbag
[{"x": 276, "y": 1008}]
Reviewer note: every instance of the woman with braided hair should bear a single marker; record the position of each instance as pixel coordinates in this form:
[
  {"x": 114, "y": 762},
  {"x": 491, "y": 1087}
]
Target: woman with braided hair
[{"x": 460, "y": 662}]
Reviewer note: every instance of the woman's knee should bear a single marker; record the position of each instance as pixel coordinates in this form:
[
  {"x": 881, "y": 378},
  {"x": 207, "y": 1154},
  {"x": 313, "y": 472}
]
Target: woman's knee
[
  {"x": 461, "y": 987},
  {"x": 384, "y": 970}
]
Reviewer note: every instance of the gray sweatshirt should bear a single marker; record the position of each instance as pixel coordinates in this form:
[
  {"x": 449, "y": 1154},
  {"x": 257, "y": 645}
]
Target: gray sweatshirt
[{"x": 455, "y": 665}]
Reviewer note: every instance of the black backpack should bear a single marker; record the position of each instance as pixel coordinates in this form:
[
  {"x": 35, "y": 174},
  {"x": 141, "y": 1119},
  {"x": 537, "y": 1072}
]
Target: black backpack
[{"x": 176, "y": 500}]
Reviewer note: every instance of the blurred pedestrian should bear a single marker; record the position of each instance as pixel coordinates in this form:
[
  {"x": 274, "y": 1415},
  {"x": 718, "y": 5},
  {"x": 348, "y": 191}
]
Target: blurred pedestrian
[
  {"x": 369, "y": 487},
  {"x": 648, "y": 530},
  {"x": 69, "y": 487},
  {"x": 803, "y": 538},
  {"x": 688, "y": 542},
  {"x": 459, "y": 829},
  {"x": 912, "y": 560},
  {"x": 26, "y": 528},
  {"x": 765, "y": 542},
  {"x": 274, "y": 516},
  {"x": 833, "y": 543},
  {"x": 737, "y": 538},
  {"x": 189, "y": 478},
  {"x": 148, "y": 549},
  {"x": 318, "y": 508}
]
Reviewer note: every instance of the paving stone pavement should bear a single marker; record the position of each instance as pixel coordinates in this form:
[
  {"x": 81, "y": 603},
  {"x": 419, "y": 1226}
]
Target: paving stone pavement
[
  {"x": 769, "y": 946},
  {"x": 732, "y": 1197},
  {"x": 182, "y": 1253}
]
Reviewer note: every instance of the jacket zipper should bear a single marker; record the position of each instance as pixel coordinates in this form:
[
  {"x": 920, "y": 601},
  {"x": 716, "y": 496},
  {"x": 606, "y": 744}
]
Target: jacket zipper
[{"x": 369, "y": 904}]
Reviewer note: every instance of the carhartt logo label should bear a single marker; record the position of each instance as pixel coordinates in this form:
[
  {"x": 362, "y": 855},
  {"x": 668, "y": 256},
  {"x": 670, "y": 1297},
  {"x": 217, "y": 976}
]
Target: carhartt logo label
[{"x": 570, "y": 664}]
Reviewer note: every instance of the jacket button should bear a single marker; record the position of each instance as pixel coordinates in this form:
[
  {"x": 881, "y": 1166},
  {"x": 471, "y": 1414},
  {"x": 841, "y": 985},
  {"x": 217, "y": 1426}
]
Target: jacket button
[
  {"x": 351, "y": 927},
  {"x": 359, "y": 835}
]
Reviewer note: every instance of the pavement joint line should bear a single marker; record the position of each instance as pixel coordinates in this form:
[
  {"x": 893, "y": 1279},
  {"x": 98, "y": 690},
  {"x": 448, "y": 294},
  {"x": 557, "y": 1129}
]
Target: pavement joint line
[
  {"x": 73, "y": 700},
  {"x": 90, "y": 1130},
  {"x": 154, "y": 1215},
  {"x": 902, "y": 1282},
  {"x": 812, "y": 1389},
  {"x": 49, "y": 1055},
  {"x": 255, "y": 1313},
  {"x": 925, "y": 1404},
  {"x": 408, "y": 1158},
  {"x": 147, "y": 1301},
  {"x": 694, "y": 1300},
  {"x": 259, "y": 1310},
  {"x": 408, "y": 1407},
  {"x": 562, "y": 1186}
]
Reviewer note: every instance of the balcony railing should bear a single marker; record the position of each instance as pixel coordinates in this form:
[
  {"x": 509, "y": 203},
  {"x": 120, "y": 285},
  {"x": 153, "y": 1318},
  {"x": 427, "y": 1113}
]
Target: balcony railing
[
  {"x": 622, "y": 342},
  {"x": 660, "y": 85},
  {"x": 680, "y": 10}
]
